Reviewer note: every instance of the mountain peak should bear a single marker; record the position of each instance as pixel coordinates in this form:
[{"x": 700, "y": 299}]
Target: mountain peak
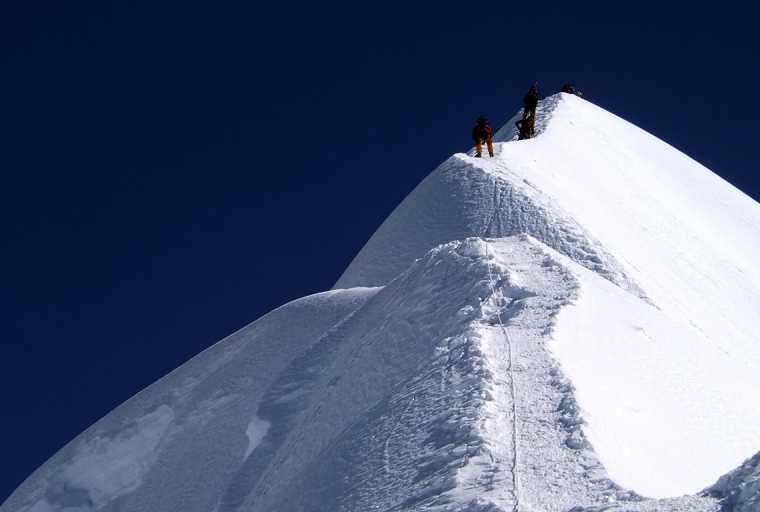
[
  {"x": 468, "y": 196},
  {"x": 567, "y": 326}
]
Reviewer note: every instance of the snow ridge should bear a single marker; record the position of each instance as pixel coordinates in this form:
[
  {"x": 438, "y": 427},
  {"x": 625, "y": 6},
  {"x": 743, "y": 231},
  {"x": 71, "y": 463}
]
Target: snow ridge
[
  {"x": 468, "y": 197},
  {"x": 527, "y": 344},
  {"x": 544, "y": 113}
]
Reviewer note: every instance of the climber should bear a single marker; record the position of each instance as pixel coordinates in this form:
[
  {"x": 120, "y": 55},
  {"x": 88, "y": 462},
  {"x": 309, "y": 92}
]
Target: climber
[
  {"x": 570, "y": 89},
  {"x": 526, "y": 128},
  {"x": 530, "y": 102},
  {"x": 482, "y": 133}
]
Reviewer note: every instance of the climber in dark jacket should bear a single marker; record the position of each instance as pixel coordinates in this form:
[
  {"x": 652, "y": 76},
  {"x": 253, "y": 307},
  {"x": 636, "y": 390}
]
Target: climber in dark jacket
[
  {"x": 526, "y": 128},
  {"x": 482, "y": 133},
  {"x": 530, "y": 102},
  {"x": 570, "y": 89}
]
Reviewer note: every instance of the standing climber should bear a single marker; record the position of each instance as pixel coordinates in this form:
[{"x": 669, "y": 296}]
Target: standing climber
[
  {"x": 482, "y": 133},
  {"x": 530, "y": 102},
  {"x": 526, "y": 128}
]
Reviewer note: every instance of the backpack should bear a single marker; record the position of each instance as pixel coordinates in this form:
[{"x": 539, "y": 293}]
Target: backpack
[{"x": 482, "y": 132}]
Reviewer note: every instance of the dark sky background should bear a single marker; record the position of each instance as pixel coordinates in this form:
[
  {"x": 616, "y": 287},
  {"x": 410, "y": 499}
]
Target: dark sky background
[{"x": 173, "y": 170}]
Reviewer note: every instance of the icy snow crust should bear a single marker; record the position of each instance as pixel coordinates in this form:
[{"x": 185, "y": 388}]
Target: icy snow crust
[{"x": 585, "y": 340}]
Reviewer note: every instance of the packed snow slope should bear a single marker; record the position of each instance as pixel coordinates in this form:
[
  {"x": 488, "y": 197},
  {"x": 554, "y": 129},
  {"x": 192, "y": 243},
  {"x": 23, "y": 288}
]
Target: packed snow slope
[
  {"x": 635, "y": 210},
  {"x": 566, "y": 327},
  {"x": 436, "y": 392}
]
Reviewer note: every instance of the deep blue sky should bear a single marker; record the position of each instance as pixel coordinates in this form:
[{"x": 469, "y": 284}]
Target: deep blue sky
[{"x": 173, "y": 170}]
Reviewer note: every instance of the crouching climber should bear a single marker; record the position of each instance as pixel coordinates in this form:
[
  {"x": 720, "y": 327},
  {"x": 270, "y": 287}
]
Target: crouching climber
[
  {"x": 482, "y": 133},
  {"x": 526, "y": 128},
  {"x": 570, "y": 89}
]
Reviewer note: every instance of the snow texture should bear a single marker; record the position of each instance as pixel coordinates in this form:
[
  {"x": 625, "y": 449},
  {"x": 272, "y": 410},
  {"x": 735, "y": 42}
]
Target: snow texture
[
  {"x": 177, "y": 443},
  {"x": 634, "y": 210},
  {"x": 256, "y": 431},
  {"x": 565, "y": 327}
]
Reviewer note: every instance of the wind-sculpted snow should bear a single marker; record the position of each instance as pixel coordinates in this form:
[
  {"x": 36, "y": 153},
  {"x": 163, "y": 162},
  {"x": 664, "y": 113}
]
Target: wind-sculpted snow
[
  {"x": 402, "y": 403},
  {"x": 434, "y": 393},
  {"x": 106, "y": 467},
  {"x": 635, "y": 211},
  {"x": 467, "y": 197},
  {"x": 658, "y": 395},
  {"x": 176, "y": 444},
  {"x": 567, "y": 327}
]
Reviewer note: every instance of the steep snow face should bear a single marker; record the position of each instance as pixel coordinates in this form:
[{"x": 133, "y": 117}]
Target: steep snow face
[
  {"x": 467, "y": 197},
  {"x": 689, "y": 240},
  {"x": 434, "y": 393},
  {"x": 608, "y": 195},
  {"x": 687, "y": 237},
  {"x": 603, "y": 352},
  {"x": 175, "y": 445},
  {"x": 667, "y": 410},
  {"x": 634, "y": 210}
]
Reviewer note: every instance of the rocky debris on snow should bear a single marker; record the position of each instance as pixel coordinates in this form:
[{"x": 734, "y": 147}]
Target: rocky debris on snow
[{"x": 739, "y": 490}]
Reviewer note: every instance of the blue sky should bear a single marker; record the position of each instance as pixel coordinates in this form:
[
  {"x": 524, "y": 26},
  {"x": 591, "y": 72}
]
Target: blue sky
[{"x": 172, "y": 171}]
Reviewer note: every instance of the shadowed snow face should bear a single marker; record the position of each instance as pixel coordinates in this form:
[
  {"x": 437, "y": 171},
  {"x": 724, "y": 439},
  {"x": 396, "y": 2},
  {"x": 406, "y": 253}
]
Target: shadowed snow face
[{"x": 106, "y": 467}]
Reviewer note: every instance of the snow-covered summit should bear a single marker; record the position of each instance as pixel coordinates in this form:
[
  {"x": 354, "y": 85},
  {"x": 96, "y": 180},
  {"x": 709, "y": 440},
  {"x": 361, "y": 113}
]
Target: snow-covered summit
[
  {"x": 565, "y": 327},
  {"x": 636, "y": 211}
]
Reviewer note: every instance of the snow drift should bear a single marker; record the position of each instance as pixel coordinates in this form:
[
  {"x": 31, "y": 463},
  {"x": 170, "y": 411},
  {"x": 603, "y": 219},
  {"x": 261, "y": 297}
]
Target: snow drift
[
  {"x": 565, "y": 327},
  {"x": 624, "y": 204}
]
